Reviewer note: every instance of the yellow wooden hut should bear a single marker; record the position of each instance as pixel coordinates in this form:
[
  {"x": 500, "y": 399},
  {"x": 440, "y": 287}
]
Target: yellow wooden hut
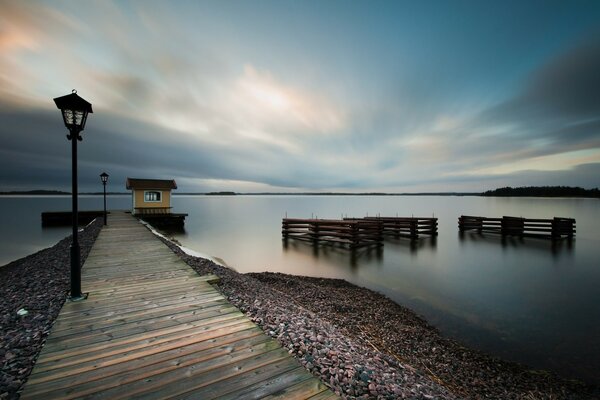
[{"x": 151, "y": 196}]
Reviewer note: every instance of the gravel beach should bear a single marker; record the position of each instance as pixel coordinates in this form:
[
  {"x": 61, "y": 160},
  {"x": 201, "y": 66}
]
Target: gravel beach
[
  {"x": 358, "y": 342},
  {"x": 37, "y": 284},
  {"x": 363, "y": 345}
]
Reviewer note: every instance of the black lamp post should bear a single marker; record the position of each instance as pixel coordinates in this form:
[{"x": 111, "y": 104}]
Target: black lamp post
[
  {"x": 104, "y": 178},
  {"x": 74, "y": 111}
]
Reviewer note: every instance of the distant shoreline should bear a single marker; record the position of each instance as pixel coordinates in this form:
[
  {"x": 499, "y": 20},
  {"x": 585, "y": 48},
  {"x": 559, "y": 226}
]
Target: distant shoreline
[
  {"x": 528, "y": 191},
  {"x": 58, "y": 193}
]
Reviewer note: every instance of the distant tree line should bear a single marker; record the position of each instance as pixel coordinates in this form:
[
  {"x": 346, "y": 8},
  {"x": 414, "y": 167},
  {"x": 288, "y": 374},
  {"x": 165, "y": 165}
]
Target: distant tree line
[{"x": 543, "y": 191}]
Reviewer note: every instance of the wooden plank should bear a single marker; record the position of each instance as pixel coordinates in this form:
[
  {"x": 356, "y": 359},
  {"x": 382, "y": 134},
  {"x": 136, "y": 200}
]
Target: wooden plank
[
  {"x": 119, "y": 316},
  {"x": 162, "y": 350},
  {"x": 179, "y": 332},
  {"x": 326, "y": 395},
  {"x": 190, "y": 377},
  {"x": 272, "y": 386},
  {"x": 302, "y": 390},
  {"x": 146, "y": 327},
  {"x": 141, "y": 370}
]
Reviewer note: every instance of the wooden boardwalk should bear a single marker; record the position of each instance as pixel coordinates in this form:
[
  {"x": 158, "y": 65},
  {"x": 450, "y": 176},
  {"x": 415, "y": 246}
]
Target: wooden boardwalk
[{"x": 154, "y": 329}]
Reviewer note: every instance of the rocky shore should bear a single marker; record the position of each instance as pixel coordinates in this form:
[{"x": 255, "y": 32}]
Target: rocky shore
[
  {"x": 32, "y": 292},
  {"x": 363, "y": 345},
  {"x": 358, "y": 342}
]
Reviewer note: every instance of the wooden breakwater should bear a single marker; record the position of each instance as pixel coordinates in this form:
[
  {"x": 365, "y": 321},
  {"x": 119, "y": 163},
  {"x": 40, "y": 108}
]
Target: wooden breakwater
[
  {"x": 352, "y": 232},
  {"x": 555, "y": 228},
  {"x": 409, "y": 227},
  {"x": 357, "y": 232}
]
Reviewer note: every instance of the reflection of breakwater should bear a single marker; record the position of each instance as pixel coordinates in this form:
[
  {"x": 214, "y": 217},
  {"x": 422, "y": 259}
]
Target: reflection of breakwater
[
  {"x": 414, "y": 245},
  {"x": 555, "y": 246},
  {"x": 353, "y": 256},
  {"x": 336, "y": 253}
]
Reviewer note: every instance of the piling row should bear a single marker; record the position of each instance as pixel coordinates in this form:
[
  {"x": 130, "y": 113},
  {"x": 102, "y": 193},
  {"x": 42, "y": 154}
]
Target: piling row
[{"x": 555, "y": 228}]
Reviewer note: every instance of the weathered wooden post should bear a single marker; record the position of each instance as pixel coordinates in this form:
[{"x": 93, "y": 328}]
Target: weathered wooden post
[
  {"x": 413, "y": 229},
  {"x": 380, "y": 231},
  {"x": 285, "y": 228},
  {"x": 562, "y": 226},
  {"x": 555, "y": 230},
  {"x": 355, "y": 238},
  {"x": 314, "y": 228},
  {"x": 513, "y": 226},
  {"x": 571, "y": 230}
]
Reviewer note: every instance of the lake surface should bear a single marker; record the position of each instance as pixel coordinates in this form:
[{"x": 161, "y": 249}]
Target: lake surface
[{"x": 527, "y": 300}]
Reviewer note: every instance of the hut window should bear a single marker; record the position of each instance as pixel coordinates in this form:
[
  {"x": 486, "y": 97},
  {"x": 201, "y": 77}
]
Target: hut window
[{"x": 152, "y": 196}]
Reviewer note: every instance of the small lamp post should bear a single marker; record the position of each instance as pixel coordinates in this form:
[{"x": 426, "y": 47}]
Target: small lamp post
[
  {"x": 74, "y": 111},
  {"x": 104, "y": 178}
]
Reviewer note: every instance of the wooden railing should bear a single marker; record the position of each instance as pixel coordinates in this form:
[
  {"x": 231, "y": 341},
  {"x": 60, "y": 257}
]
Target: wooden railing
[
  {"x": 555, "y": 228},
  {"x": 151, "y": 210}
]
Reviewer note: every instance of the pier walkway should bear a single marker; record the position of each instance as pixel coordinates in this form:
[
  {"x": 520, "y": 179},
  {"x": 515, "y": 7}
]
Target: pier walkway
[{"x": 152, "y": 328}]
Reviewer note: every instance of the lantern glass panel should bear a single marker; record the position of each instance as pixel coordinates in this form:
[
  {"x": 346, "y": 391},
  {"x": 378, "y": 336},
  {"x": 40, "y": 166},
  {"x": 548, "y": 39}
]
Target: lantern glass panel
[{"x": 68, "y": 116}]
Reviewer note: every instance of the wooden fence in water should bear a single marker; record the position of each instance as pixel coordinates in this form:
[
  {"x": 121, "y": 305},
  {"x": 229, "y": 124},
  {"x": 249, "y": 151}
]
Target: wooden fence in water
[
  {"x": 357, "y": 232},
  {"x": 555, "y": 228},
  {"x": 409, "y": 227}
]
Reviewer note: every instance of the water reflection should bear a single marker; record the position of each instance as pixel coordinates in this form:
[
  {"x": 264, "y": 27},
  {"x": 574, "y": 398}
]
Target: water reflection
[
  {"x": 336, "y": 253},
  {"x": 353, "y": 257},
  {"x": 414, "y": 245},
  {"x": 555, "y": 247}
]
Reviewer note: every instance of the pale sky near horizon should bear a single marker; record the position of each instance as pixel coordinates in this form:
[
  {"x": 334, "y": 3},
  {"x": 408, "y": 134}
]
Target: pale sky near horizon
[{"x": 394, "y": 96}]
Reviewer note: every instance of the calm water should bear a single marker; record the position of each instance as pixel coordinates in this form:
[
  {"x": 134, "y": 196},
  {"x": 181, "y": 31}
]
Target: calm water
[{"x": 526, "y": 300}]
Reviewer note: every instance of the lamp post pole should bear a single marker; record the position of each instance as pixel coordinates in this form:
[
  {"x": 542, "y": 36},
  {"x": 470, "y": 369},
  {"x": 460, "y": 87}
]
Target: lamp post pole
[
  {"x": 74, "y": 111},
  {"x": 104, "y": 178},
  {"x": 104, "y": 184},
  {"x": 75, "y": 249}
]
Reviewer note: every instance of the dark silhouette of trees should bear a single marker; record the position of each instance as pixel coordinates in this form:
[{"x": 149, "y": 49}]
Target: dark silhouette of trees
[{"x": 543, "y": 191}]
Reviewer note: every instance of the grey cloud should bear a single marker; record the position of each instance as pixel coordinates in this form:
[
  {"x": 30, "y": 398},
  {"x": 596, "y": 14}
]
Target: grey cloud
[
  {"x": 37, "y": 154},
  {"x": 557, "y": 111},
  {"x": 566, "y": 88},
  {"x": 569, "y": 85}
]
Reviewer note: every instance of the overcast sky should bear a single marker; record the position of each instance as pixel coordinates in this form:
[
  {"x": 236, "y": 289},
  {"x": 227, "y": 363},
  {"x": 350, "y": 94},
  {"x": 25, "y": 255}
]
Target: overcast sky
[{"x": 304, "y": 95}]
